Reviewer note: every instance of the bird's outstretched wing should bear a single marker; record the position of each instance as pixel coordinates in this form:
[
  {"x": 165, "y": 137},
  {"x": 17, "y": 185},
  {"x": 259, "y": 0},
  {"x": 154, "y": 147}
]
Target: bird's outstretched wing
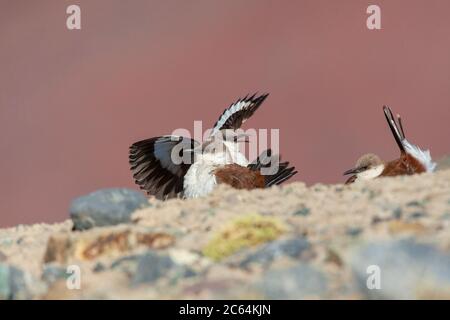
[
  {"x": 236, "y": 114},
  {"x": 160, "y": 163}
]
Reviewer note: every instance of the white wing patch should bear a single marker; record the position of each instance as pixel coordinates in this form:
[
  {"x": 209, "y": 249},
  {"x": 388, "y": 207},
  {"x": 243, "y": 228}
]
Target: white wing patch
[
  {"x": 424, "y": 157},
  {"x": 238, "y": 106}
]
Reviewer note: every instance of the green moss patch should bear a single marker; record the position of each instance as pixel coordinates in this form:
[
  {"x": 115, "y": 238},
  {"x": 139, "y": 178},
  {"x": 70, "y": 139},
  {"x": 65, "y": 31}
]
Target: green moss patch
[{"x": 243, "y": 232}]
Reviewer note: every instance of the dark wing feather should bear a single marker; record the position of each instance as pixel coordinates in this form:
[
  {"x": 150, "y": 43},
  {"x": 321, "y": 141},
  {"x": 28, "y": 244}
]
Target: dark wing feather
[
  {"x": 266, "y": 160},
  {"x": 398, "y": 136},
  {"x": 152, "y": 166},
  {"x": 236, "y": 114},
  {"x": 399, "y": 119},
  {"x": 351, "y": 179}
]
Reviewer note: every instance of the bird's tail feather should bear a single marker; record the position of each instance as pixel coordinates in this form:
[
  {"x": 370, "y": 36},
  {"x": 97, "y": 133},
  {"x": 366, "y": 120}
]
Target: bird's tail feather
[
  {"x": 396, "y": 132},
  {"x": 265, "y": 161}
]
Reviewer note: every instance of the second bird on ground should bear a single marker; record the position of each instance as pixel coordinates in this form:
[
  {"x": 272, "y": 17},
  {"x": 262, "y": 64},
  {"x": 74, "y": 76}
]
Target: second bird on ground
[{"x": 412, "y": 159}]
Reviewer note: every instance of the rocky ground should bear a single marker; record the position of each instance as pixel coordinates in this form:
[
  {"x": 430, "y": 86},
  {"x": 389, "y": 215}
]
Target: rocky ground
[{"x": 389, "y": 239}]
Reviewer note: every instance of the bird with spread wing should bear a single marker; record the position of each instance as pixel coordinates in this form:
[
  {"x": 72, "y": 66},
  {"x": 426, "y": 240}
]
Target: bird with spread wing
[{"x": 174, "y": 166}]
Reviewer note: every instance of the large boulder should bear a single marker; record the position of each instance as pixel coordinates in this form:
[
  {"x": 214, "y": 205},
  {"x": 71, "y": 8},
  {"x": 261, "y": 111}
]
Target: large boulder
[{"x": 106, "y": 207}]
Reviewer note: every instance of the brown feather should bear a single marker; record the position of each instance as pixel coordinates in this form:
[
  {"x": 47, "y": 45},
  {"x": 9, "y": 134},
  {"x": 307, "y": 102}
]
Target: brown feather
[
  {"x": 351, "y": 179},
  {"x": 239, "y": 177},
  {"x": 405, "y": 165}
]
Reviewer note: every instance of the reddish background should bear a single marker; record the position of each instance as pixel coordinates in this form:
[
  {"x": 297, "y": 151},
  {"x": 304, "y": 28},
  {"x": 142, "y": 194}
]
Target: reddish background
[{"x": 71, "y": 102}]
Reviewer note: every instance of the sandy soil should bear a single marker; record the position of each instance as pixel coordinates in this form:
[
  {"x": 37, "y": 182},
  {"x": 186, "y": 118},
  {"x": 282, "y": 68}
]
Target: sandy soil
[{"x": 218, "y": 246}]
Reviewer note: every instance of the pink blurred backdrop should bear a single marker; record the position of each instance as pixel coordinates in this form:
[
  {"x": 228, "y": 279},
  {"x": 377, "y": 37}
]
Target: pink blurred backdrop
[{"x": 71, "y": 102}]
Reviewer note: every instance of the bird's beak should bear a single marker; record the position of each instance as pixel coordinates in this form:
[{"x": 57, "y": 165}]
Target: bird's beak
[
  {"x": 353, "y": 171},
  {"x": 242, "y": 137}
]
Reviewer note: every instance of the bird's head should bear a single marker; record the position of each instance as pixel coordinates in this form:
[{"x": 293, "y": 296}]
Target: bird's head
[
  {"x": 223, "y": 142},
  {"x": 369, "y": 166}
]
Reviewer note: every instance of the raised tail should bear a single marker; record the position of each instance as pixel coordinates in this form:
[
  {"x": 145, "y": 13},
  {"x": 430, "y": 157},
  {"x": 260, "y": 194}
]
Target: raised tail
[
  {"x": 271, "y": 163},
  {"x": 423, "y": 156},
  {"x": 398, "y": 134}
]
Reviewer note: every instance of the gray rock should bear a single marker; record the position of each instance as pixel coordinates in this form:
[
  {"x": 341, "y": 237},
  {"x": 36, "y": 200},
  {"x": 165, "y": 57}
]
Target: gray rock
[
  {"x": 397, "y": 213},
  {"x": 14, "y": 283},
  {"x": 417, "y": 215},
  {"x": 415, "y": 203},
  {"x": 302, "y": 212},
  {"x": 105, "y": 207},
  {"x": 127, "y": 264},
  {"x": 52, "y": 273},
  {"x": 353, "y": 231},
  {"x": 99, "y": 267},
  {"x": 299, "y": 282},
  {"x": 153, "y": 266},
  {"x": 264, "y": 255},
  {"x": 408, "y": 270}
]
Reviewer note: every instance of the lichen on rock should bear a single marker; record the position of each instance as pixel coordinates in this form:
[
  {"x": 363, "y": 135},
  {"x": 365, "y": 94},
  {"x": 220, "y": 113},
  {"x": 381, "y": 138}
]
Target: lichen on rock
[{"x": 243, "y": 232}]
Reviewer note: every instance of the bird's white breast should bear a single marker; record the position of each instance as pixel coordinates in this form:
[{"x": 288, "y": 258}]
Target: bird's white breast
[
  {"x": 370, "y": 173},
  {"x": 200, "y": 180}
]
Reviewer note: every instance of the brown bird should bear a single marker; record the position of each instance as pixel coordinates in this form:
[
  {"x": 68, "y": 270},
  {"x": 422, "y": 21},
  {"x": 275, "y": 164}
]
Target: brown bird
[
  {"x": 412, "y": 159},
  {"x": 174, "y": 166}
]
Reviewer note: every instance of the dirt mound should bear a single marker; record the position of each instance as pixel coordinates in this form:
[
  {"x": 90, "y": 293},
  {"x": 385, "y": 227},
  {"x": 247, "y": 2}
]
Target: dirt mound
[{"x": 388, "y": 238}]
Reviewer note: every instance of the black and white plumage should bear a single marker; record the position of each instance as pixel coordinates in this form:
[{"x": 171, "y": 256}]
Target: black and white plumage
[
  {"x": 267, "y": 160},
  {"x": 423, "y": 156},
  {"x": 237, "y": 113},
  {"x": 154, "y": 169}
]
